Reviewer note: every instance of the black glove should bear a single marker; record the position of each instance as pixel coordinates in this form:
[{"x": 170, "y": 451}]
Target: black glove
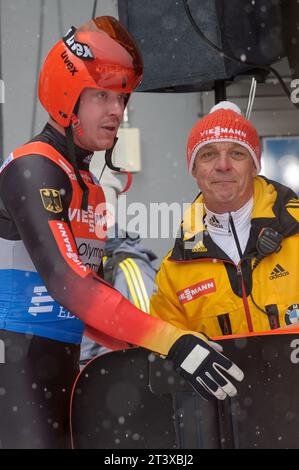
[{"x": 200, "y": 364}]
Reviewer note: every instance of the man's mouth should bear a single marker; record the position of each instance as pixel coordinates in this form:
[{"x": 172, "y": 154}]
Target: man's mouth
[
  {"x": 223, "y": 182},
  {"x": 109, "y": 128}
]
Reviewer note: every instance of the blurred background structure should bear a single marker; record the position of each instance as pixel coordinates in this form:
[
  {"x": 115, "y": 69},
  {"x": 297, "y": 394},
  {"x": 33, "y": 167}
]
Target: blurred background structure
[{"x": 181, "y": 65}]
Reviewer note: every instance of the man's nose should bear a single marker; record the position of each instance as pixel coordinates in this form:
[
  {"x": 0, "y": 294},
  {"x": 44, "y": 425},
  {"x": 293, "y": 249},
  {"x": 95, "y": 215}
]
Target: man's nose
[
  {"x": 223, "y": 162},
  {"x": 116, "y": 107}
]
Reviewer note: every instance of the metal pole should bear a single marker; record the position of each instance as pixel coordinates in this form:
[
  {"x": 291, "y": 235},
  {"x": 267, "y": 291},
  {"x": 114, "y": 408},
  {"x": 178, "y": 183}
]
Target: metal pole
[
  {"x": 220, "y": 91},
  {"x": 38, "y": 65}
]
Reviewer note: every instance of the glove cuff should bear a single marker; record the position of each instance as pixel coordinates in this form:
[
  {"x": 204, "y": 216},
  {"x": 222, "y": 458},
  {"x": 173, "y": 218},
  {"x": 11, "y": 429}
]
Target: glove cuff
[{"x": 183, "y": 346}]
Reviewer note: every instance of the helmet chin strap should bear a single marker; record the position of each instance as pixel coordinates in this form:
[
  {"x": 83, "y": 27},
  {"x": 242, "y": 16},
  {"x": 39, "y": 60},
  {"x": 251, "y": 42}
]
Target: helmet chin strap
[
  {"x": 108, "y": 157},
  {"x": 108, "y": 160},
  {"x": 73, "y": 160}
]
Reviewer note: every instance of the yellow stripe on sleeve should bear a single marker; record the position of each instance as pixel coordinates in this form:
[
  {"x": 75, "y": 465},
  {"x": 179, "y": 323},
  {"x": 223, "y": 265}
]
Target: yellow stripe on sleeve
[
  {"x": 130, "y": 283},
  {"x": 138, "y": 274}
]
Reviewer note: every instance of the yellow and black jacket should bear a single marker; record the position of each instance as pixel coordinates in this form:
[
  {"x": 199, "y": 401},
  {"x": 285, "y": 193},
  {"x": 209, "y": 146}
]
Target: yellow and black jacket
[{"x": 201, "y": 289}]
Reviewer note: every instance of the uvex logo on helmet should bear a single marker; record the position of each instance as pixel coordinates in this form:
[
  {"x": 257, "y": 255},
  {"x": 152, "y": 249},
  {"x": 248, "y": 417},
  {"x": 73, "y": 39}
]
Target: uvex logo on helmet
[
  {"x": 77, "y": 62},
  {"x": 69, "y": 64},
  {"x": 79, "y": 49}
]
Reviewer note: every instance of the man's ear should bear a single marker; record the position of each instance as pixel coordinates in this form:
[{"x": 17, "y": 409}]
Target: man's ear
[{"x": 193, "y": 172}]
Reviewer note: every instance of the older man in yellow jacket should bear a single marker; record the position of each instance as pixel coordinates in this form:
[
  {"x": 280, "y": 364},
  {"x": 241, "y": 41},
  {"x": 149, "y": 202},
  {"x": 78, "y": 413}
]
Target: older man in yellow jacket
[{"x": 235, "y": 268}]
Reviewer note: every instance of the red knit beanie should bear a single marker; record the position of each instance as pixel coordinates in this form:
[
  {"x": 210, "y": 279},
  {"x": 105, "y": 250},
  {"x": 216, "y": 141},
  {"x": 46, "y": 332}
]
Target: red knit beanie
[{"x": 224, "y": 123}]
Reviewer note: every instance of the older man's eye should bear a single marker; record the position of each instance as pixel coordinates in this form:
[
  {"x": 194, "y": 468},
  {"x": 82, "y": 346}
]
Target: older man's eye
[
  {"x": 208, "y": 156},
  {"x": 237, "y": 154}
]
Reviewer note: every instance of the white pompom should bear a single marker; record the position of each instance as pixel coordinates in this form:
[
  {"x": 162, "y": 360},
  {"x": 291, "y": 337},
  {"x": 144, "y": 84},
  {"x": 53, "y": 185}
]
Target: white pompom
[{"x": 226, "y": 105}]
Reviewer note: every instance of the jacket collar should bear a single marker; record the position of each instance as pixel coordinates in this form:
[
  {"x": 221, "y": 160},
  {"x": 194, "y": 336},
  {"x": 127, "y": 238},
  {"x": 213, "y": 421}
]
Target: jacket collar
[{"x": 269, "y": 210}]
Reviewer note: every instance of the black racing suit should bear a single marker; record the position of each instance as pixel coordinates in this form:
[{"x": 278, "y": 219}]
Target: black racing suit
[
  {"x": 39, "y": 358},
  {"x": 50, "y": 250}
]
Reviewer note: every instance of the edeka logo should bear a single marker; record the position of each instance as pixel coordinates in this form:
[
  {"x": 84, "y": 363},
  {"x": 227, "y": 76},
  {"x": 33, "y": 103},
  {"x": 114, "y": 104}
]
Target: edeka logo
[
  {"x": 80, "y": 49},
  {"x": 2, "y": 352},
  {"x": 69, "y": 64},
  {"x": 197, "y": 290}
]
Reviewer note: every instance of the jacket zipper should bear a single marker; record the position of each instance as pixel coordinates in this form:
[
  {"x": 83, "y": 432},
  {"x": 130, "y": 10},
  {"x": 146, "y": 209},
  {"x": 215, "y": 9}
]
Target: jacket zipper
[
  {"x": 240, "y": 274},
  {"x": 244, "y": 298}
]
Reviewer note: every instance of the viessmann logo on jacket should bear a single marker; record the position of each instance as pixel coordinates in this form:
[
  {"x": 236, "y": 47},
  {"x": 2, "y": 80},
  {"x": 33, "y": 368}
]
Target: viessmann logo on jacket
[
  {"x": 197, "y": 290},
  {"x": 67, "y": 246},
  {"x": 88, "y": 222}
]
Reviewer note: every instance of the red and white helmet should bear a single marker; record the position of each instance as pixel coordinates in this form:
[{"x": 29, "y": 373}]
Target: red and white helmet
[{"x": 100, "y": 54}]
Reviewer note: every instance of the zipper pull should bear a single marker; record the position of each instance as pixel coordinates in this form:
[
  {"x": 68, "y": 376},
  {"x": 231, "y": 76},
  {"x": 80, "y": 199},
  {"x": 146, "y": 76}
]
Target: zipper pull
[{"x": 240, "y": 277}]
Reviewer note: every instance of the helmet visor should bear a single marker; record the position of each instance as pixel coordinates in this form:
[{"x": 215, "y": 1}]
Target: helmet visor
[{"x": 109, "y": 52}]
